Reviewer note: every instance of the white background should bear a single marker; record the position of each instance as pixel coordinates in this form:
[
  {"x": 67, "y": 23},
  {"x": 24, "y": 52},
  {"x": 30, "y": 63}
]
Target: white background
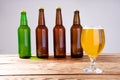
[{"x": 92, "y": 12}]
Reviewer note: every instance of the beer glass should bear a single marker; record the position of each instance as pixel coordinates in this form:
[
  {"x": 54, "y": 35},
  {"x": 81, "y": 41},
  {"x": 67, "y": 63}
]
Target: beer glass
[{"x": 93, "y": 41}]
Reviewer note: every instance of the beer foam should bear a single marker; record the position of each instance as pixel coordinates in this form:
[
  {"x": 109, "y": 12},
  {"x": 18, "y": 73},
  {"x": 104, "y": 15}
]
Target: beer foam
[{"x": 93, "y": 27}]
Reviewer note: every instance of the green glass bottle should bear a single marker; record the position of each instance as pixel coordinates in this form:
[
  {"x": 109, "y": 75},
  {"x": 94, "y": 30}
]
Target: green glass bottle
[{"x": 24, "y": 40}]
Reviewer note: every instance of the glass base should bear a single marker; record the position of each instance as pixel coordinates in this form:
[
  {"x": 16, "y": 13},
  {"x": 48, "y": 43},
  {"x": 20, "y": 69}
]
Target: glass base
[{"x": 92, "y": 69}]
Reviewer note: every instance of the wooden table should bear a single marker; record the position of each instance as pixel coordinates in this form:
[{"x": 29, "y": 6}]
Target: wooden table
[{"x": 14, "y": 68}]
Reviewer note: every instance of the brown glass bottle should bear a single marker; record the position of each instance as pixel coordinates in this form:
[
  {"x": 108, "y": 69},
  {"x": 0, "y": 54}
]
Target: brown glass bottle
[
  {"x": 75, "y": 32},
  {"x": 59, "y": 36},
  {"x": 41, "y": 36}
]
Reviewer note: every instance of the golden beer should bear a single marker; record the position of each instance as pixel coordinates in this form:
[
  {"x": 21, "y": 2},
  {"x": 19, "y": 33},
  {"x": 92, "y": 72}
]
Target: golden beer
[{"x": 93, "y": 40}]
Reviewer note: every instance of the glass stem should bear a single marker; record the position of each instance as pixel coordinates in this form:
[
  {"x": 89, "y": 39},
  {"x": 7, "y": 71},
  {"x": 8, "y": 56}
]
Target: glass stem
[{"x": 92, "y": 64}]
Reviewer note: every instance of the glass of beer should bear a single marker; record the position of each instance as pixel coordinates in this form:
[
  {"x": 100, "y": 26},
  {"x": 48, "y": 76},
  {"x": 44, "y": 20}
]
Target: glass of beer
[{"x": 93, "y": 41}]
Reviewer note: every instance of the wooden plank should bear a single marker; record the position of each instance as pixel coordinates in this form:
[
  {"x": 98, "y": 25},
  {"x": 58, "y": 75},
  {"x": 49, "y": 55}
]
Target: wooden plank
[
  {"x": 61, "y": 77},
  {"x": 12, "y": 65}
]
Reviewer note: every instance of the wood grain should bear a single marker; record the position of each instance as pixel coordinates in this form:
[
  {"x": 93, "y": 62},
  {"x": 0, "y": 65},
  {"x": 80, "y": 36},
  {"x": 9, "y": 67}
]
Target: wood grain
[
  {"x": 62, "y": 77},
  {"x": 14, "y": 68}
]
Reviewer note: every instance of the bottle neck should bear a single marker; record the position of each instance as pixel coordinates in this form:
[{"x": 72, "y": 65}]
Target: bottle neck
[
  {"x": 58, "y": 17},
  {"x": 41, "y": 20},
  {"x": 76, "y": 20},
  {"x": 23, "y": 20}
]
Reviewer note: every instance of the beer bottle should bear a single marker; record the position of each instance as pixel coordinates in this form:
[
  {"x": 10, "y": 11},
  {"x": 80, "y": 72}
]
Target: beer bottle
[
  {"x": 24, "y": 42},
  {"x": 76, "y": 49},
  {"x": 41, "y": 36},
  {"x": 59, "y": 36}
]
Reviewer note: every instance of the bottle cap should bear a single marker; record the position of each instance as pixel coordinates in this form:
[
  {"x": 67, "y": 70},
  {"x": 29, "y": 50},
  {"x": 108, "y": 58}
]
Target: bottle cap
[
  {"x": 41, "y": 8},
  {"x": 76, "y": 11},
  {"x": 23, "y": 10},
  {"x": 58, "y": 8}
]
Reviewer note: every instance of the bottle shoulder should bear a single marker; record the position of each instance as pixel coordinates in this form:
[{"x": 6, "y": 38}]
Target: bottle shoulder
[
  {"x": 76, "y": 26},
  {"x": 41, "y": 27},
  {"x": 24, "y": 27},
  {"x": 59, "y": 27}
]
